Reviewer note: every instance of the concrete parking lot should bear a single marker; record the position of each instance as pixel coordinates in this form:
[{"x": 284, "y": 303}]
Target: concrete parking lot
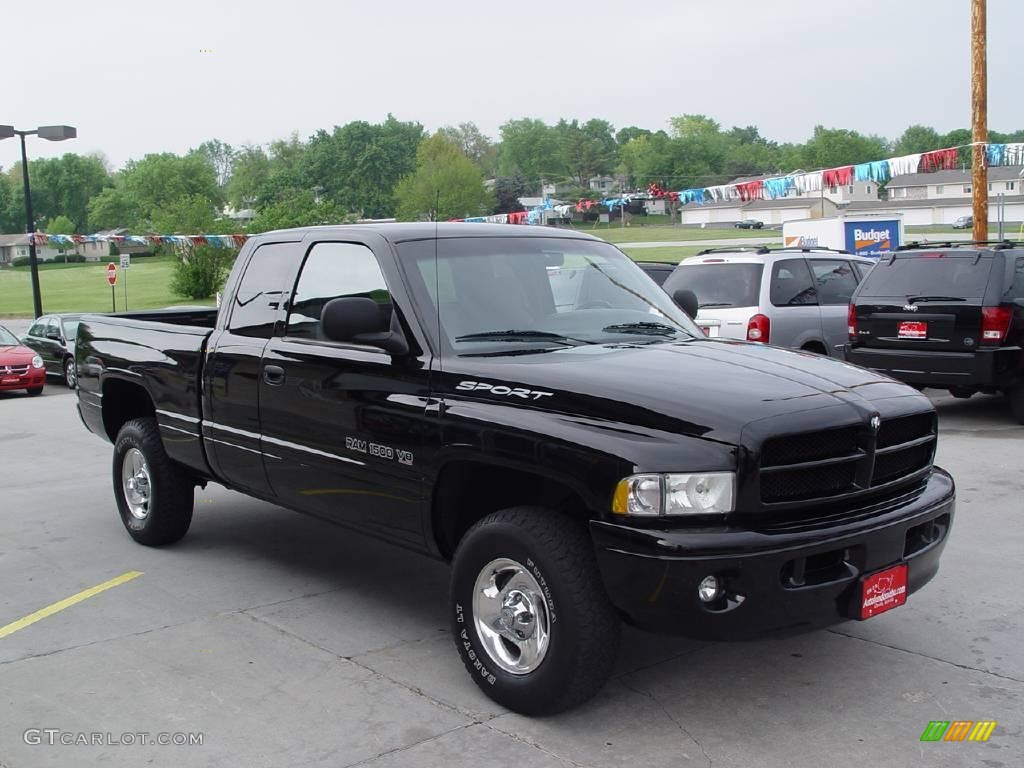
[{"x": 287, "y": 642}]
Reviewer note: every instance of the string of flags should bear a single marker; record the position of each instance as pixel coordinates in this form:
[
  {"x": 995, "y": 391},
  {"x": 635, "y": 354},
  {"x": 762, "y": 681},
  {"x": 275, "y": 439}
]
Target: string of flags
[
  {"x": 217, "y": 241},
  {"x": 804, "y": 182}
]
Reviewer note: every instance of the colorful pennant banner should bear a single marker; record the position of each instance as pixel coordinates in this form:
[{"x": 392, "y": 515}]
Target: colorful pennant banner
[{"x": 217, "y": 241}]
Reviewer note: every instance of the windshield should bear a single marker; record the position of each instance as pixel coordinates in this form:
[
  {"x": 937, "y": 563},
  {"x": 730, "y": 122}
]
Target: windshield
[
  {"x": 719, "y": 285},
  {"x": 531, "y": 294},
  {"x": 964, "y": 276},
  {"x": 8, "y": 339}
]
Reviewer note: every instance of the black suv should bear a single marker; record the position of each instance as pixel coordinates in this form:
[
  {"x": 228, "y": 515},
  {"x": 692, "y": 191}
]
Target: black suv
[{"x": 949, "y": 316}]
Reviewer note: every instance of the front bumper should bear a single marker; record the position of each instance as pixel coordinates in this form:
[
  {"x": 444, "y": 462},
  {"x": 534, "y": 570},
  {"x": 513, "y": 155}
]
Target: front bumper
[
  {"x": 996, "y": 368},
  {"x": 36, "y": 377},
  {"x": 777, "y": 580}
]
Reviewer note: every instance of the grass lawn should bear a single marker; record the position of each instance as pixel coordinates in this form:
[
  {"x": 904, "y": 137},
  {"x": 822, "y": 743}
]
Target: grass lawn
[
  {"x": 672, "y": 254},
  {"x": 84, "y": 288},
  {"x": 615, "y": 233}
]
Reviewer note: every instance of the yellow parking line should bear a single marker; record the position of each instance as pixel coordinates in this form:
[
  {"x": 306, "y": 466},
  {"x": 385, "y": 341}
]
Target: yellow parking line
[{"x": 67, "y": 602}]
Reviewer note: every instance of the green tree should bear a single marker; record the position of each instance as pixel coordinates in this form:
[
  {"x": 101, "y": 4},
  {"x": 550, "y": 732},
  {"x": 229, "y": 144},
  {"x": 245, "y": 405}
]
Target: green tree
[
  {"x": 11, "y": 219},
  {"x": 445, "y": 185},
  {"x": 220, "y": 156},
  {"x": 626, "y": 135},
  {"x": 156, "y": 182},
  {"x": 201, "y": 271},
  {"x": 113, "y": 208},
  {"x": 474, "y": 145},
  {"x": 62, "y": 185},
  {"x": 188, "y": 215},
  {"x": 918, "y": 138},
  {"x": 300, "y": 209},
  {"x": 357, "y": 166},
  {"x": 507, "y": 191},
  {"x": 60, "y": 225},
  {"x": 529, "y": 148},
  {"x": 833, "y": 147},
  {"x": 249, "y": 175},
  {"x": 586, "y": 150}
]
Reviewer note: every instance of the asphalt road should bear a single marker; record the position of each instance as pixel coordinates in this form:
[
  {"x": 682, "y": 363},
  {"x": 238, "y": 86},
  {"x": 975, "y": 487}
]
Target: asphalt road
[{"x": 285, "y": 641}]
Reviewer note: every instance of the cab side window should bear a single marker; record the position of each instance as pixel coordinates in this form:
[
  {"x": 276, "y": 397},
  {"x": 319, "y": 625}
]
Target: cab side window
[
  {"x": 333, "y": 271},
  {"x": 791, "y": 284},
  {"x": 53, "y": 328},
  {"x": 834, "y": 280},
  {"x": 38, "y": 328},
  {"x": 261, "y": 291}
]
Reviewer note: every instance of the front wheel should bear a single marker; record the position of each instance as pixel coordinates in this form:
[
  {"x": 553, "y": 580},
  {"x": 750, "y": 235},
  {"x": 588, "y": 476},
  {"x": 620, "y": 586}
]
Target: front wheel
[
  {"x": 530, "y": 616},
  {"x": 34, "y": 391},
  {"x": 153, "y": 494}
]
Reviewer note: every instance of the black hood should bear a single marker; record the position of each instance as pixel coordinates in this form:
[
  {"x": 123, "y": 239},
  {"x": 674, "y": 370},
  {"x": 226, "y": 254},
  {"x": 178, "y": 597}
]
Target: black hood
[{"x": 702, "y": 388}]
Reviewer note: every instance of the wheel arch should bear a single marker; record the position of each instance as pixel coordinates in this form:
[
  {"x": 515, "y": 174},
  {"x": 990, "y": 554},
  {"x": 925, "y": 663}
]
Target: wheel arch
[
  {"x": 467, "y": 489},
  {"x": 124, "y": 400}
]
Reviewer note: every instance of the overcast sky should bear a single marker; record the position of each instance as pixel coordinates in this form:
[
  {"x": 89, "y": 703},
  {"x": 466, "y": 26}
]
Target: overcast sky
[{"x": 133, "y": 77}]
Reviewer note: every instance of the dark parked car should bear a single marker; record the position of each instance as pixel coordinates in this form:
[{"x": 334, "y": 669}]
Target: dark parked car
[
  {"x": 963, "y": 222},
  {"x": 749, "y": 224},
  {"x": 658, "y": 270},
  {"x": 527, "y": 404},
  {"x": 950, "y": 317},
  {"x": 53, "y": 337}
]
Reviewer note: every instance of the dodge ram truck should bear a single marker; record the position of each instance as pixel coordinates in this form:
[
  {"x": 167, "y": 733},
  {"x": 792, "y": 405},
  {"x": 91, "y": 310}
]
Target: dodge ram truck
[{"x": 527, "y": 404}]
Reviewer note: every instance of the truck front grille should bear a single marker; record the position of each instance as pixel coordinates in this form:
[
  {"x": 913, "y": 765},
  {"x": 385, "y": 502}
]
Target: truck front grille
[{"x": 819, "y": 465}]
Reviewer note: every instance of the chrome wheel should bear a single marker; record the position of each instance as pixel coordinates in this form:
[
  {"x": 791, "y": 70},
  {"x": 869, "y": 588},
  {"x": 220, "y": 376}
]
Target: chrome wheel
[
  {"x": 510, "y": 614},
  {"x": 70, "y": 375},
  {"x": 135, "y": 483}
]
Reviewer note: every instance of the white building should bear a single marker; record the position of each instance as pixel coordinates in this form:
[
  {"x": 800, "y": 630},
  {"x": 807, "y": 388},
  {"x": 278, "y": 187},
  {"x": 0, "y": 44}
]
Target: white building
[
  {"x": 769, "y": 212},
  {"x": 15, "y": 246},
  {"x": 942, "y": 197}
]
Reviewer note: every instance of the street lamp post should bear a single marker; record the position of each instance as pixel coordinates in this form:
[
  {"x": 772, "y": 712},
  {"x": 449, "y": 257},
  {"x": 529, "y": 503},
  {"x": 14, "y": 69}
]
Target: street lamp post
[{"x": 50, "y": 133}]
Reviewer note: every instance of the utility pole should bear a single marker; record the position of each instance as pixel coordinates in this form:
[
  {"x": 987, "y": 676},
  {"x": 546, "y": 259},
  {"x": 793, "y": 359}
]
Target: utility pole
[{"x": 979, "y": 116}]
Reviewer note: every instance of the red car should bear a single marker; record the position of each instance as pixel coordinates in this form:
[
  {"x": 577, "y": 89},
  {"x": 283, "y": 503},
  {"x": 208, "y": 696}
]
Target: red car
[{"x": 20, "y": 367}]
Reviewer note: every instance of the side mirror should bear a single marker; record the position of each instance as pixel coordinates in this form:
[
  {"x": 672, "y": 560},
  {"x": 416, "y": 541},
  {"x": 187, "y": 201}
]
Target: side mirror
[
  {"x": 686, "y": 300},
  {"x": 360, "y": 321}
]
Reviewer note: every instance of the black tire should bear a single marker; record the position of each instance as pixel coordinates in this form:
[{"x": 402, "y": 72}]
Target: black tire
[
  {"x": 1016, "y": 398},
  {"x": 584, "y": 627},
  {"x": 70, "y": 373},
  {"x": 961, "y": 393},
  {"x": 168, "y": 512},
  {"x": 34, "y": 391}
]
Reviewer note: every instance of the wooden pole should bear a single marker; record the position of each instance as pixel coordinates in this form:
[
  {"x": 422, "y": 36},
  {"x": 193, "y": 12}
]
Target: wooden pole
[{"x": 979, "y": 117}]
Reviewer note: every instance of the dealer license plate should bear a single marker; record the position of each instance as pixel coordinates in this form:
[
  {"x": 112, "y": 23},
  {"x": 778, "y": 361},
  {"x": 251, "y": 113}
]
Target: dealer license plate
[
  {"x": 883, "y": 591},
  {"x": 913, "y": 329}
]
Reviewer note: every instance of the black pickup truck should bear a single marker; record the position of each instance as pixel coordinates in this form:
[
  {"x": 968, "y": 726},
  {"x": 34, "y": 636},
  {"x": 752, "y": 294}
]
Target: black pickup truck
[{"x": 529, "y": 405}]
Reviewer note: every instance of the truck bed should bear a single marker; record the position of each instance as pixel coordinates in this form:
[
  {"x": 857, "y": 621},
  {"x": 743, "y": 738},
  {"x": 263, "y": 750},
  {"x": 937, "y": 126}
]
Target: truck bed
[{"x": 161, "y": 350}]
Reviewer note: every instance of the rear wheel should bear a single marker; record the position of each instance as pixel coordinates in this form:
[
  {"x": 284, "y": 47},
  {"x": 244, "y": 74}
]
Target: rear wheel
[
  {"x": 530, "y": 617},
  {"x": 153, "y": 494},
  {"x": 961, "y": 393},
  {"x": 70, "y": 373}
]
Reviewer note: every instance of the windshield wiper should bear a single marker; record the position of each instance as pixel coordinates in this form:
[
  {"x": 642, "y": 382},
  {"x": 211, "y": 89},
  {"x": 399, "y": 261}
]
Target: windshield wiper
[
  {"x": 643, "y": 327},
  {"x": 714, "y": 304},
  {"x": 514, "y": 335},
  {"x": 935, "y": 298}
]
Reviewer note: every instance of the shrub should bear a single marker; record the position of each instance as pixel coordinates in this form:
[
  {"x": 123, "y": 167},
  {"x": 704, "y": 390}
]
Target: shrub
[
  {"x": 202, "y": 271},
  {"x": 19, "y": 261}
]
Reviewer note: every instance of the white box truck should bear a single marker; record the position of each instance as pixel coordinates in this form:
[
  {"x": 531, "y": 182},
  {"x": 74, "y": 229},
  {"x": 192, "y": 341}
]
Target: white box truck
[{"x": 864, "y": 235}]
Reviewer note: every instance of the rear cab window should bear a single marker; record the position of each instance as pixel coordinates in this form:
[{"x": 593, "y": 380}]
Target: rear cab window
[
  {"x": 725, "y": 284},
  {"x": 961, "y": 274},
  {"x": 257, "y": 302}
]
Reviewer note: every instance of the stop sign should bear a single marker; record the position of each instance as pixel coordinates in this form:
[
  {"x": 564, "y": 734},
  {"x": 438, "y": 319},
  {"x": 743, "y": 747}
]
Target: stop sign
[{"x": 112, "y": 273}]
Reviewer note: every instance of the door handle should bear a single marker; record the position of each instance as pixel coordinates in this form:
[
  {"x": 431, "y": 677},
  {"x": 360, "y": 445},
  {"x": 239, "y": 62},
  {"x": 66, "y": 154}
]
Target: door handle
[{"x": 273, "y": 375}]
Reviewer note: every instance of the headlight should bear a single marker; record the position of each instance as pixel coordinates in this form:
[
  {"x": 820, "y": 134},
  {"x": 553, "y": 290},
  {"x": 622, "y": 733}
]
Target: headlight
[
  {"x": 703, "y": 493},
  {"x": 37, "y": 362}
]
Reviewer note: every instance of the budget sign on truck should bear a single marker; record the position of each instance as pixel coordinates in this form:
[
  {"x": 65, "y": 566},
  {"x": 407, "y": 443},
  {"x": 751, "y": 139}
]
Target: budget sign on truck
[{"x": 863, "y": 235}]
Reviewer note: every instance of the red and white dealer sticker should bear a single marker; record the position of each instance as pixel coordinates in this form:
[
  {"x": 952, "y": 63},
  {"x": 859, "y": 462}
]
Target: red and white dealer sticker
[{"x": 883, "y": 591}]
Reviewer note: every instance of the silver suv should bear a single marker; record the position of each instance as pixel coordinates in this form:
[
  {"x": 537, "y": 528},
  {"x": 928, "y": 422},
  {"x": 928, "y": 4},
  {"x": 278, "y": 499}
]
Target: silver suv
[{"x": 788, "y": 297}]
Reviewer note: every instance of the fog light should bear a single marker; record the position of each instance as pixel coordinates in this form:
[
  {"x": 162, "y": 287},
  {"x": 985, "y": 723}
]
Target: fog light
[{"x": 709, "y": 589}]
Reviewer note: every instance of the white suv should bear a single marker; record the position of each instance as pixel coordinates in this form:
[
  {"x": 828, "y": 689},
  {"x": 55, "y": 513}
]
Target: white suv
[{"x": 789, "y": 297}]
